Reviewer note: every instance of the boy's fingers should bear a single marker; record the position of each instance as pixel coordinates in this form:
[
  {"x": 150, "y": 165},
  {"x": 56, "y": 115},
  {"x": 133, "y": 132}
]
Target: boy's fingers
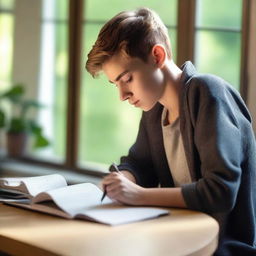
[
  {"x": 110, "y": 178},
  {"x": 109, "y": 181}
]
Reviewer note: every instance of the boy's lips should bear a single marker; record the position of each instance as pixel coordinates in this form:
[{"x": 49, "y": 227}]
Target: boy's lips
[{"x": 135, "y": 102}]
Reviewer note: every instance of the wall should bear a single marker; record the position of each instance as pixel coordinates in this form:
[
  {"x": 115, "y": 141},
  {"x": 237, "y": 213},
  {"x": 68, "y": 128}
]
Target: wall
[{"x": 27, "y": 37}]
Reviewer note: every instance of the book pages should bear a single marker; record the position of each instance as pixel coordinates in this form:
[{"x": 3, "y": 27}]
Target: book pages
[
  {"x": 33, "y": 185},
  {"x": 117, "y": 214},
  {"x": 75, "y": 198}
]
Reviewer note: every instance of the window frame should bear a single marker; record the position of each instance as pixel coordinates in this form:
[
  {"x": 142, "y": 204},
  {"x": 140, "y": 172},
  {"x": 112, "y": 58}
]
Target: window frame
[{"x": 186, "y": 38}]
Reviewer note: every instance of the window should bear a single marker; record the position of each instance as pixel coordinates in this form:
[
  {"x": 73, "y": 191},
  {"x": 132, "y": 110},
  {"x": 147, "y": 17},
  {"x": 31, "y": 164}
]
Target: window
[
  {"x": 45, "y": 46},
  {"x": 38, "y": 59},
  {"x": 53, "y": 72},
  {"x": 218, "y": 38}
]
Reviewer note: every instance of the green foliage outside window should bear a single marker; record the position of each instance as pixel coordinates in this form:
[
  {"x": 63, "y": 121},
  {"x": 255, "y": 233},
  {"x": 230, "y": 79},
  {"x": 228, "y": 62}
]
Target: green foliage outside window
[{"x": 218, "y": 38}]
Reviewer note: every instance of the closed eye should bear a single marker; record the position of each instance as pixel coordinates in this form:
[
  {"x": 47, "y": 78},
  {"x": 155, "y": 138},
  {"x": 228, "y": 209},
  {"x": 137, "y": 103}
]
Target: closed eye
[
  {"x": 126, "y": 82},
  {"x": 129, "y": 80}
]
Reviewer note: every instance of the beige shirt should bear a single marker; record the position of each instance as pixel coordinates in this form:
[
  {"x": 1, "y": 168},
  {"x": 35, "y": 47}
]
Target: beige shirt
[{"x": 174, "y": 150}]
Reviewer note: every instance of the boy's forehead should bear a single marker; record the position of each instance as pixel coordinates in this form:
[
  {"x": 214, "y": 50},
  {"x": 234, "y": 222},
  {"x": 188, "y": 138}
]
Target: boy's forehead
[{"x": 118, "y": 64}]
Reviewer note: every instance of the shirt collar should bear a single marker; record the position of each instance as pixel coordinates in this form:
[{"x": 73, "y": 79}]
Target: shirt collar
[{"x": 188, "y": 70}]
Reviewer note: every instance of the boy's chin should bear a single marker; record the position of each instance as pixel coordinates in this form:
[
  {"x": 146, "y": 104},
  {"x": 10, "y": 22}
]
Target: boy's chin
[{"x": 147, "y": 108}]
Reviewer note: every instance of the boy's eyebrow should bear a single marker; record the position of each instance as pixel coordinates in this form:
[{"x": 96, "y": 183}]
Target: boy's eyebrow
[{"x": 119, "y": 76}]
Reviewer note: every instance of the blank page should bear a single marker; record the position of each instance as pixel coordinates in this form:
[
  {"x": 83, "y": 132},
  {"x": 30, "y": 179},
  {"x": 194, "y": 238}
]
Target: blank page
[
  {"x": 117, "y": 214},
  {"x": 75, "y": 198}
]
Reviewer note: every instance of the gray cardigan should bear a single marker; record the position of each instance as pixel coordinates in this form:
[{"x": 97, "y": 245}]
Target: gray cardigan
[{"x": 221, "y": 154}]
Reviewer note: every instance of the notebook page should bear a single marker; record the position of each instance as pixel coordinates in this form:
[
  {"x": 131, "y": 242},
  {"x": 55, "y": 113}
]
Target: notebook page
[
  {"x": 116, "y": 214},
  {"x": 75, "y": 198}
]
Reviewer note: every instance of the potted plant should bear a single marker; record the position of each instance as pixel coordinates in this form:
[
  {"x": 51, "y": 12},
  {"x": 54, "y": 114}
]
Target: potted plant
[{"x": 17, "y": 124}]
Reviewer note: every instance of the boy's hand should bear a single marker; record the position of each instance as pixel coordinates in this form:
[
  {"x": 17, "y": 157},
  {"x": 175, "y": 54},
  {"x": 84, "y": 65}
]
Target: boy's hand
[{"x": 122, "y": 189}]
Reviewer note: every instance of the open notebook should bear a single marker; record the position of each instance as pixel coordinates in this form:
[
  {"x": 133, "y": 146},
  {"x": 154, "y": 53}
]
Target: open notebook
[{"x": 51, "y": 194}]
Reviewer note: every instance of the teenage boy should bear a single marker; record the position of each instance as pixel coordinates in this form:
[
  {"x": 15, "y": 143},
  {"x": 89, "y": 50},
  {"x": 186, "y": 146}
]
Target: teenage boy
[{"x": 195, "y": 138}]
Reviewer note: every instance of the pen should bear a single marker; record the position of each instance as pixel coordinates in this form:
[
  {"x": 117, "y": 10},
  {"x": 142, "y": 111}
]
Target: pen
[{"x": 113, "y": 168}]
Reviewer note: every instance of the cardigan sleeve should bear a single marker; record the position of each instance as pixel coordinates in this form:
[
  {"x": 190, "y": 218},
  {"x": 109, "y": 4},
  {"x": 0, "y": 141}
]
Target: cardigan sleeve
[
  {"x": 219, "y": 141},
  {"x": 139, "y": 161}
]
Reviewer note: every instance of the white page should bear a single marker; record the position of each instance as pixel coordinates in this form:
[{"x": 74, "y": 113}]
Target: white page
[
  {"x": 34, "y": 185},
  {"x": 116, "y": 215},
  {"x": 13, "y": 183},
  {"x": 75, "y": 198},
  {"x": 84, "y": 200}
]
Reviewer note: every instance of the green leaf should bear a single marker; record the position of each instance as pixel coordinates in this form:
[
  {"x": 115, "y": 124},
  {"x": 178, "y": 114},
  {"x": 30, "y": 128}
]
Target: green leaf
[
  {"x": 27, "y": 104},
  {"x": 32, "y": 103},
  {"x": 17, "y": 125},
  {"x": 14, "y": 93},
  {"x": 21, "y": 123},
  {"x": 34, "y": 127},
  {"x": 41, "y": 141},
  {"x": 2, "y": 119}
]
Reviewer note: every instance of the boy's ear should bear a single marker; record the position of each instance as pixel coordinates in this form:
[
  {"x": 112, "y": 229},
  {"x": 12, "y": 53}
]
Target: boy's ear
[{"x": 159, "y": 55}]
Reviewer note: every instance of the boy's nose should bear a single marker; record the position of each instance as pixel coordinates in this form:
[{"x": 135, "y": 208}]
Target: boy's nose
[{"x": 124, "y": 95}]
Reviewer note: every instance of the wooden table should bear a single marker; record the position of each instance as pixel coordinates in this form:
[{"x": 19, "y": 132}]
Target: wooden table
[{"x": 183, "y": 232}]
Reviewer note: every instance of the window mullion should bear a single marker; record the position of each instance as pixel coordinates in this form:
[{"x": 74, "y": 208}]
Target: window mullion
[
  {"x": 186, "y": 30},
  {"x": 244, "y": 49},
  {"x": 75, "y": 35}
]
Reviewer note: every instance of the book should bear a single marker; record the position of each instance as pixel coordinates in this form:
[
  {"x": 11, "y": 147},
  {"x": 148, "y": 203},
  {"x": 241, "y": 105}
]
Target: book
[
  {"x": 25, "y": 188},
  {"x": 50, "y": 194}
]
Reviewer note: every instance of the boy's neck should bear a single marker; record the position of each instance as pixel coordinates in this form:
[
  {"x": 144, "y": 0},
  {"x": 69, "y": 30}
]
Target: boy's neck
[{"x": 170, "y": 98}]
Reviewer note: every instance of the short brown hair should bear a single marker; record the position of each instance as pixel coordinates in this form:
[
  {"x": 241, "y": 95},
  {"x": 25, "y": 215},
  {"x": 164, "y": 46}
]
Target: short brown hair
[{"x": 133, "y": 32}]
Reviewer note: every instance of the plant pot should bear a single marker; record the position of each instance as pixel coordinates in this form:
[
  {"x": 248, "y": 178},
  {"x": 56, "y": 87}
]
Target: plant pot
[{"x": 17, "y": 144}]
